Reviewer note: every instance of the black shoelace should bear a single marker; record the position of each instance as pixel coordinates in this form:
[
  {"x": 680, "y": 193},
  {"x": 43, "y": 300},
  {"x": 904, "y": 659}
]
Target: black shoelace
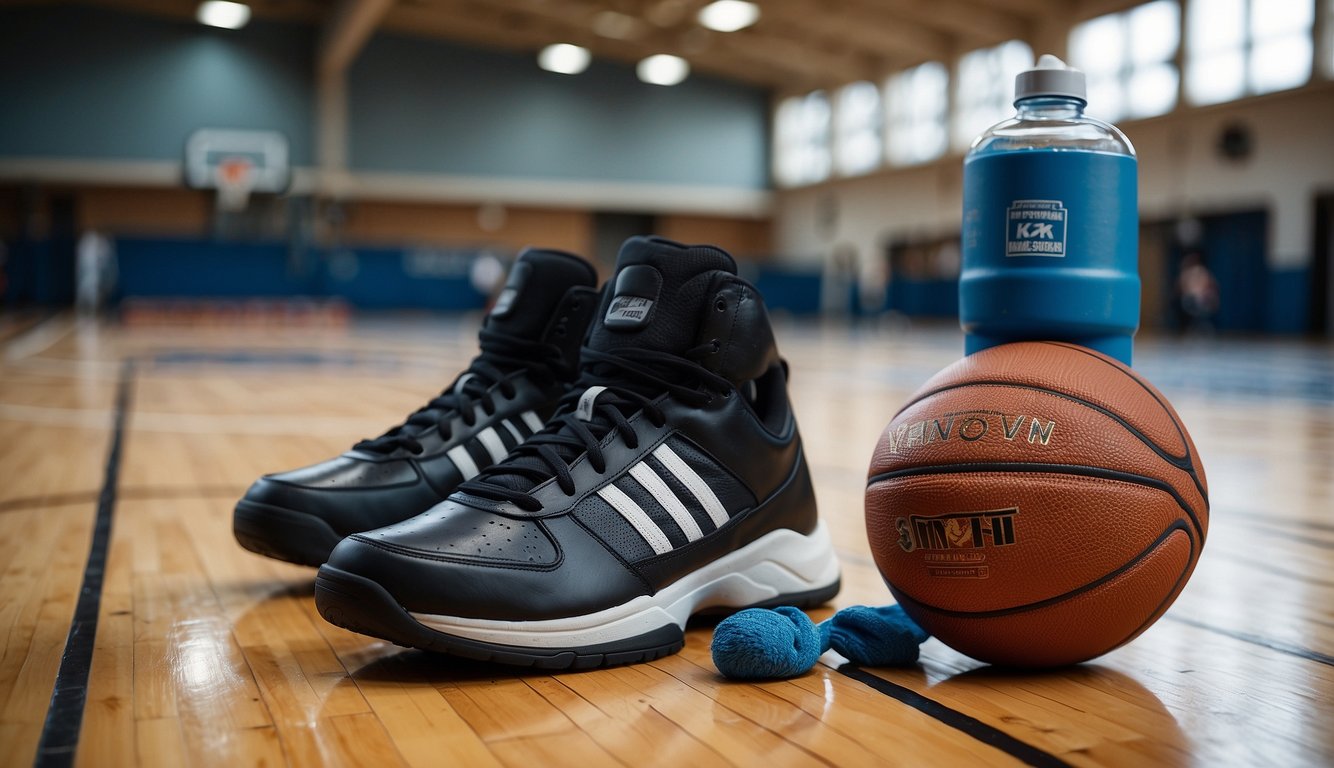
[
  {"x": 502, "y": 359},
  {"x": 634, "y": 380}
]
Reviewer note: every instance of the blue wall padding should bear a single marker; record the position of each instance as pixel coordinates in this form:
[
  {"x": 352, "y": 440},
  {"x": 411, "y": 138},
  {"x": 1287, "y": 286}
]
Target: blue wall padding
[
  {"x": 789, "y": 289},
  {"x": 924, "y": 298},
  {"x": 1287, "y": 300},
  {"x": 204, "y": 269},
  {"x": 381, "y": 282}
]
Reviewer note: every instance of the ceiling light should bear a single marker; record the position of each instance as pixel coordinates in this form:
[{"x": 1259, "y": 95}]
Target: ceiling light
[
  {"x": 663, "y": 69},
  {"x": 564, "y": 58},
  {"x": 223, "y": 13},
  {"x": 729, "y": 15}
]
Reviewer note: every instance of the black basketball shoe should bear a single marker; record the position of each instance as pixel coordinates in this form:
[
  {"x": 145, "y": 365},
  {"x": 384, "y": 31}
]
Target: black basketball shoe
[
  {"x": 529, "y": 357},
  {"x": 671, "y": 481}
]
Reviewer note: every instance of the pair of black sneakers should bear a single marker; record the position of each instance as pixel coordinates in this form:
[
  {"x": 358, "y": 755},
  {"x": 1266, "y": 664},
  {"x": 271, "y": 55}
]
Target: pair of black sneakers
[{"x": 570, "y": 504}]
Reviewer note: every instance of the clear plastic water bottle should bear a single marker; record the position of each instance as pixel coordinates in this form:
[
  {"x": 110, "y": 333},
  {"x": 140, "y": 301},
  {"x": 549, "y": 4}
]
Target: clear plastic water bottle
[{"x": 1050, "y": 223}]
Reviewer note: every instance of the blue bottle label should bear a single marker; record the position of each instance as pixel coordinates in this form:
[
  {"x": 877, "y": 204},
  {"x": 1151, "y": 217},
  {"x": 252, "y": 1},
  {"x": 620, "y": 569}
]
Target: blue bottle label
[
  {"x": 1035, "y": 228},
  {"x": 1050, "y": 249}
]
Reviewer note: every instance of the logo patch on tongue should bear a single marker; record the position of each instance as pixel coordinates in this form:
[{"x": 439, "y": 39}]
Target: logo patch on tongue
[
  {"x": 518, "y": 277},
  {"x": 637, "y": 288}
]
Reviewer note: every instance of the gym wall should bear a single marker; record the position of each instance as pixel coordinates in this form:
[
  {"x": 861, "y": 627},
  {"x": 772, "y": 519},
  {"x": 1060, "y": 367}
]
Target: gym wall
[
  {"x": 99, "y": 104},
  {"x": 1183, "y": 172}
]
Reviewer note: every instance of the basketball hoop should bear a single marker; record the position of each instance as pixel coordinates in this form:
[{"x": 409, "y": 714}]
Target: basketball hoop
[{"x": 235, "y": 179}]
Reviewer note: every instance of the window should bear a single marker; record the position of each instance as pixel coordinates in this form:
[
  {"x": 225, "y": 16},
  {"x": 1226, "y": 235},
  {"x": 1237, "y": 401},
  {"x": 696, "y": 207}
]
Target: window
[
  {"x": 801, "y": 140},
  {"x": 1242, "y": 47},
  {"x": 916, "y": 101},
  {"x": 1328, "y": 57},
  {"x": 1128, "y": 59},
  {"x": 857, "y": 129},
  {"x": 985, "y": 89}
]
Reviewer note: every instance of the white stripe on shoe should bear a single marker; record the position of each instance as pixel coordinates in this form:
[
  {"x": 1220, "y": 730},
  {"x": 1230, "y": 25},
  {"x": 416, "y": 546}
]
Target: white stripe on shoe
[
  {"x": 637, "y": 517},
  {"x": 513, "y": 430},
  {"x": 463, "y": 460},
  {"x": 492, "y": 443},
  {"x": 691, "y": 480},
  {"x": 664, "y": 496}
]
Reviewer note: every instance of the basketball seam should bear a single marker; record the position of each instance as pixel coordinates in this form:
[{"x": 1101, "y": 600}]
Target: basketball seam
[
  {"x": 1175, "y": 526},
  {"x": 1053, "y": 469},
  {"x": 1163, "y": 605},
  {"x": 1183, "y": 463},
  {"x": 1176, "y": 424}
]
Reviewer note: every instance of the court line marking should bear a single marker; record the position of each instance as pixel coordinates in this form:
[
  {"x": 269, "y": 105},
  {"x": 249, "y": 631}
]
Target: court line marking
[
  {"x": 15, "y": 325},
  {"x": 128, "y": 493},
  {"x": 69, "y": 695},
  {"x": 993, "y": 737},
  {"x": 38, "y": 338},
  {"x": 1278, "y": 646},
  {"x": 188, "y": 423}
]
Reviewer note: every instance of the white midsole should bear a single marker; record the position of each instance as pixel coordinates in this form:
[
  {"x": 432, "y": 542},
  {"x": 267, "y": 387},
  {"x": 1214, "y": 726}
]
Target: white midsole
[{"x": 779, "y": 563}]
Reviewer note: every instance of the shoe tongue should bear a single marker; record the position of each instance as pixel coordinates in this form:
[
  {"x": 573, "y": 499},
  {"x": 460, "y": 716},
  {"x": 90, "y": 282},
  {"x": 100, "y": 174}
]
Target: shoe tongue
[
  {"x": 537, "y": 282},
  {"x": 656, "y": 299}
]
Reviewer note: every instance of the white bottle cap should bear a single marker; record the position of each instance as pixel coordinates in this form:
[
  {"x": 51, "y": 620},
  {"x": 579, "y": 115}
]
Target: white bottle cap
[{"x": 1051, "y": 77}]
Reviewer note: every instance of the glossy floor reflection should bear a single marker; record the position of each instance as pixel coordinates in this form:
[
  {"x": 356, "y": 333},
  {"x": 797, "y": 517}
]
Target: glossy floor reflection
[{"x": 208, "y": 655}]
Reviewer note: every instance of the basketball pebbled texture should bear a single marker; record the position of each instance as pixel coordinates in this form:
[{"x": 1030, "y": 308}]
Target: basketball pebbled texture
[{"x": 1036, "y": 504}]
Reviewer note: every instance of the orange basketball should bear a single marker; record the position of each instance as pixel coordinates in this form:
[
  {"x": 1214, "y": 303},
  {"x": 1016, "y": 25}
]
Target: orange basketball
[{"x": 1036, "y": 504}]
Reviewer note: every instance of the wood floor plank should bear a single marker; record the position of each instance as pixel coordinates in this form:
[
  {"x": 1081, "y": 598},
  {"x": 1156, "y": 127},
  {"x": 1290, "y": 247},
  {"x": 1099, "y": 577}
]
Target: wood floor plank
[
  {"x": 159, "y": 742},
  {"x": 209, "y": 655},
  {"x": 623, "y": 720},
  {"x": 736, "y": 738},
  {"x": 423, "y": 726}
]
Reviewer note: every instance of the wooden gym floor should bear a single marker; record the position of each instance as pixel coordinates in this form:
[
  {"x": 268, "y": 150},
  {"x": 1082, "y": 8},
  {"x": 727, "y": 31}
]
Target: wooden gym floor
[{"x": 207, "y": 654}]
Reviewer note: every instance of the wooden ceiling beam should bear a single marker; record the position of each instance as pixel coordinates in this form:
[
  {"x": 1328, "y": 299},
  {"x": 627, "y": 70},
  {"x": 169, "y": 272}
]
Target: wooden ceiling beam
[
  {"x": 348, "y": 28},
  {"x": 571, "y": 22},
  {"x": 488, "y": 27},
  {"x": 1087, "y": 9},
  {"x": 1035, "y": 9},
  {"x": 972, "y": 23},
  {"x": 871, "y": 34}
]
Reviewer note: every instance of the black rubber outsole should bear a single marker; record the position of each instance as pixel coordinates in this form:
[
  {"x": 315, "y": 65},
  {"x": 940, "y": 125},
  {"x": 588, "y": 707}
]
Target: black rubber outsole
[
  {"x": 283, "y": 534},
  {"x": 356, "y": 603}
]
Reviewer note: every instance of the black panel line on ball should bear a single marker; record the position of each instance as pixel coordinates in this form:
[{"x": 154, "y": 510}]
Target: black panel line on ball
[
  {"x": 1173, "y": 528},
  {"x": 1166, "y": 601},
  {"x": 1176, "y": 424},
  {"x": 992, "y": 737},
  {"x": 1279, "y": 646},
  {"x": 1136, "y": 379},
  {"x": 1183, "y": 463},
  {"x": 64, "y": 716},
  {"x": 1053, "y": 469}
]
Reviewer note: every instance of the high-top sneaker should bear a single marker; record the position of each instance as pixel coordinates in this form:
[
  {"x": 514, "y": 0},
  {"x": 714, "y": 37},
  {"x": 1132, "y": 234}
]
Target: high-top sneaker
[
  {"x": 529, "y": 358},
  {"x": 670, "y": 482}
]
